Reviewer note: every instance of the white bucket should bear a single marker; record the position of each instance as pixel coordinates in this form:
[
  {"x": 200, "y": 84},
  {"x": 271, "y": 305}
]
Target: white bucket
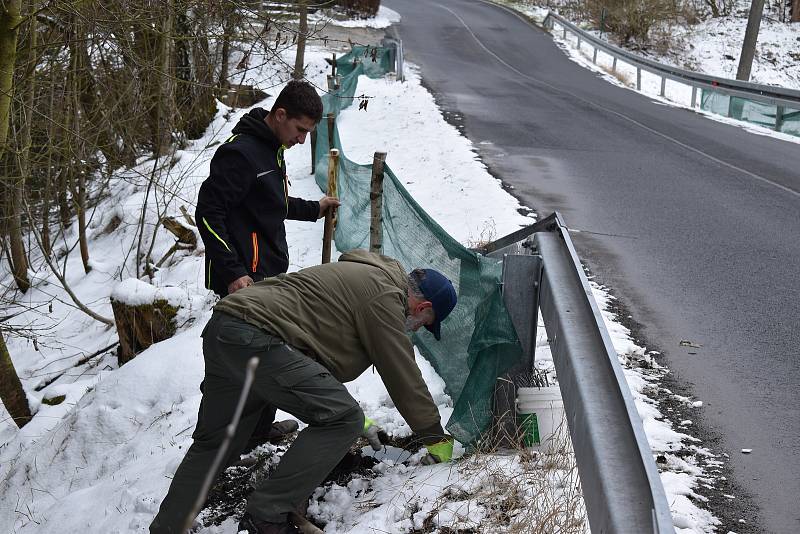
[{"x": 540, "y": 416}]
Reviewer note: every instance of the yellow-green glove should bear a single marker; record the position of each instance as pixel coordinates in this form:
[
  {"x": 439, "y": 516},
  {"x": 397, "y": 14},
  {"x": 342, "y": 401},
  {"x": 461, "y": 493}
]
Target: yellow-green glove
[
  {"x": 439, "y": 452},
  {"x": 373, "y": 434}
]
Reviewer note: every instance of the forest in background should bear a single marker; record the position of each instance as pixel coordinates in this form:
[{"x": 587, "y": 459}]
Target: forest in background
[{"x": 88, "y": 88}]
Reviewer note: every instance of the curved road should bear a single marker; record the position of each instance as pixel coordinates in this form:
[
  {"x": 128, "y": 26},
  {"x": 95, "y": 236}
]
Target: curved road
[{"x": 695, "y": 225}]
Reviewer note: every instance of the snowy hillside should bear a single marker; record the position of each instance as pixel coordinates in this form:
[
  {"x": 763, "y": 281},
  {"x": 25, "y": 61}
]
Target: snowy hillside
[{"x": 101, "y": 459}]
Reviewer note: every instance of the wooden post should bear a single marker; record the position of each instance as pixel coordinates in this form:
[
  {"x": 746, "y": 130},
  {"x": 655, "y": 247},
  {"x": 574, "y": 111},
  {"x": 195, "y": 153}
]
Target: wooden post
[
  {"x": 331, "y": 127},
  {"x": 376, "y": 203},
  {"x": 330, "y": 217},
  {"x": 333, "y": 65},
  {"x": 334, "y": 83},
  {"x": 314, "y": 151}
]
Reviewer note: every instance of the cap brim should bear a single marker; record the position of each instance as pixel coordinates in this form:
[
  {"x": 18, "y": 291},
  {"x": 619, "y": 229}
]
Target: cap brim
[{"x": 435, "y": 329}]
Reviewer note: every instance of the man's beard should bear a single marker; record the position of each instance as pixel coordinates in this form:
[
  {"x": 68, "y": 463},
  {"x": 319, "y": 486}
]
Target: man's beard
[{"x": 412, "y": 323}]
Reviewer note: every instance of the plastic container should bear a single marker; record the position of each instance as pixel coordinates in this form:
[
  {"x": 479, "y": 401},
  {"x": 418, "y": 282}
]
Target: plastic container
[{"x": 540, "y": 417}]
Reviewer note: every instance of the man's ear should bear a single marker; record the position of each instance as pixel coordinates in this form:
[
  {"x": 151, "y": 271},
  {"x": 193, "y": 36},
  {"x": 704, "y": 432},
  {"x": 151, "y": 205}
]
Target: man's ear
[
  {"x": 280, "y": 114},
  {"x": 424, "y": 305}
]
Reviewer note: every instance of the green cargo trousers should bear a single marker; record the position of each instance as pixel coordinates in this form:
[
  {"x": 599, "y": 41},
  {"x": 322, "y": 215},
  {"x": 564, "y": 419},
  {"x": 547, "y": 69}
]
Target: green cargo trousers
[{"x": 286, "y": 379}]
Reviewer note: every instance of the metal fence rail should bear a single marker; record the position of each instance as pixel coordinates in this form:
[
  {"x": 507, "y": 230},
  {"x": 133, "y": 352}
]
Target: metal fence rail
[
  {"x": 767, "y": 94},
  {"x": 621, "y": 485}
]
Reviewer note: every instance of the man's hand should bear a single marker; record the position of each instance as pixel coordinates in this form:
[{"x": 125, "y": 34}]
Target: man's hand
[
  {"x": 327, "y": 203},
  {"x": 373, "y": 433},
  {"x": 439, "y": 452},
  {"x": 239, "y": 283}
]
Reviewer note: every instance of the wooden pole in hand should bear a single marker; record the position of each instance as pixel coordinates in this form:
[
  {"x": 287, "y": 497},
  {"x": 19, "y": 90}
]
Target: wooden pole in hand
[
  {"x": 376, "y": 203},
  {"x": 330, "y": 217}
]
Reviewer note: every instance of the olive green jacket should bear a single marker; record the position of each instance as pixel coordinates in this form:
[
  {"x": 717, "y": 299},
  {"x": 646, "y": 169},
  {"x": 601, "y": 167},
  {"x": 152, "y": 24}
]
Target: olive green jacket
[{"x": 348, "y": 316}]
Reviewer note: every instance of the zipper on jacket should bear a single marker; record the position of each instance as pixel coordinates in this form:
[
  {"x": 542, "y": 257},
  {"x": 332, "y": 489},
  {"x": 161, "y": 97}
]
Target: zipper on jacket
[
  {"x": 255, "y": 252},
  {"x": 279, "y": 157}
]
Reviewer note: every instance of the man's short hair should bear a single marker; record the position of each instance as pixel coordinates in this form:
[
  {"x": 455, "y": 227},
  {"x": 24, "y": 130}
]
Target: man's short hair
[{"x": 299, "y": 98}]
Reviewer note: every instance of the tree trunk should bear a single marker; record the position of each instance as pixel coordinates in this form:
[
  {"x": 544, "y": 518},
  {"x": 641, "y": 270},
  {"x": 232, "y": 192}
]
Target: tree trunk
[
  {"x": 165, "y": 92},
  {"x": 11, "y": 392},
  {"x": 64, "y": 209},
  {"x": 796, "y": 11},
  {"x": 19, "y": 259},
  {"x": 299, "y": 59},
  {"x": 78, "y": 167},
  {"x": 9, "y": 19},
  {"x": 750, "y": 38},
  {"x": 19, "y": 256}
]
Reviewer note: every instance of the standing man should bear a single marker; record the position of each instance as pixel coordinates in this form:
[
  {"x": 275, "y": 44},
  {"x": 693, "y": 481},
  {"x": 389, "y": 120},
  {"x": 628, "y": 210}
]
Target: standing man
[
  {"x": 311, "y": 331},
  {"x": 242, "y": 205}
]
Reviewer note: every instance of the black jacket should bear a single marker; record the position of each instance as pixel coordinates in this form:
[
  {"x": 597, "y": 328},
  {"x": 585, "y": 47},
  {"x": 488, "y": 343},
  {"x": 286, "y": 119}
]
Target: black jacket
[{"x": 243, "y": 203}]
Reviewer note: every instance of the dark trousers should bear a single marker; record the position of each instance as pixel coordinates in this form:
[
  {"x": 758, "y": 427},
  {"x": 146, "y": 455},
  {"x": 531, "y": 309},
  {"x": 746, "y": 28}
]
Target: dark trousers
[{"x": 285, "y": 379}]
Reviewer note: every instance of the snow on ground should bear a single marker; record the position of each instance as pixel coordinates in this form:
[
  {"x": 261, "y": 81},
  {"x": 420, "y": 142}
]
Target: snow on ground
[
  {"x": 385, "y": 18},
  {"x": 102, "y": 459}
]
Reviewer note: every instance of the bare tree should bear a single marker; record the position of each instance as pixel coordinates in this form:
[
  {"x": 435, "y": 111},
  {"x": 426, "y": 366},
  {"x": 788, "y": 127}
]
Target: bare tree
[
  {"x": 11, "y": 392},
  {"x": 750, "y": 38}
]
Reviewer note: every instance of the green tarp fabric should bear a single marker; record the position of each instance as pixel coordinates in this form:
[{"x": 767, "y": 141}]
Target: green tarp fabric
[
  {"x": 766, "y": 115},
  {"x": 479, "y": 342}
]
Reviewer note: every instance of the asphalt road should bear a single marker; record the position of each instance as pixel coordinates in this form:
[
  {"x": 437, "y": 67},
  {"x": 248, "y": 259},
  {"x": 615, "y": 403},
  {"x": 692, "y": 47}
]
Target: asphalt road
[{"x": 693, "y": 224}]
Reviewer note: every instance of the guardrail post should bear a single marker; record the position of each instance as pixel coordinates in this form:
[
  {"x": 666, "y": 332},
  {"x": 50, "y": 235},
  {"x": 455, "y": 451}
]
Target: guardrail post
[
  {"x": 638, "y": 79},
  {"x": 663, "y": 85},
  {"x": 694, "y": 96},
  {"x": 614, "y": 65},
  {"x": 730, "y": 106},
  {"x": 594, "y": 56},
  {"x": 778, "y": 118},
  {"x": 579, "y": 42},
  {"x": 621, "y": 485},
  {"x": 565, "y": 32}
]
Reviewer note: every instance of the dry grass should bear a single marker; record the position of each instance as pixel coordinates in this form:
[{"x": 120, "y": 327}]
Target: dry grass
[
  {"x": 517, "y": 490},
  {"x": 621, "y": 76}
]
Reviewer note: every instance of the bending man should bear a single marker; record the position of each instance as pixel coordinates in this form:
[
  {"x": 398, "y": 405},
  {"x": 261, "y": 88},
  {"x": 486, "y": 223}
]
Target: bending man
[{"x": 312, "y": 330}]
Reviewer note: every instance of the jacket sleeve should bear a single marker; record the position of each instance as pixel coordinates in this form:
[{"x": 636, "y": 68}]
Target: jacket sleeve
[
  {"x": 381, "y": 328},
  {"x": 302, "y": 210},
  {"x": 226, "y": 187}
]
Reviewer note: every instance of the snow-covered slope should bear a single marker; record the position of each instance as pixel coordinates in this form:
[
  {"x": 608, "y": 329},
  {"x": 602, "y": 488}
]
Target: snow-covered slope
[{"x": 101, "y": 460}]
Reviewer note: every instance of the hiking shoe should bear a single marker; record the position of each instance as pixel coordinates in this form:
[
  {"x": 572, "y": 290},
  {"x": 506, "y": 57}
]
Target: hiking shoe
[
  {"x": 276, "y": 432},
  {"x": 254, "y": 525},
  {"x": 282, "y": 428}
]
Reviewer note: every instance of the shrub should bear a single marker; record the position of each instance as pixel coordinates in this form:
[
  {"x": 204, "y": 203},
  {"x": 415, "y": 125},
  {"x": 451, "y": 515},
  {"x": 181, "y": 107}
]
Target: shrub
[
  {"x": 632, "y": 19},
  {"x": 360, "y": 9}
]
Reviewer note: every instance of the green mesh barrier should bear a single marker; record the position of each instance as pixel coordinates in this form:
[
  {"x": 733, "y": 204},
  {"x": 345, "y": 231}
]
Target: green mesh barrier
[
  {"x": 750, "y": 111},
  {"x": 479, "y": 342},
  {"x": 791, "y": 122}
]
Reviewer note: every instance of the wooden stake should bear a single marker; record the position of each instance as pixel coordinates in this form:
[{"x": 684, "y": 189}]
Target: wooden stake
[
  {"x": 330, "y": 217},
  {"x": 314, "y": 151},
  {"x": 376, "y": 203},
  {"x": 331, "y": 127}
]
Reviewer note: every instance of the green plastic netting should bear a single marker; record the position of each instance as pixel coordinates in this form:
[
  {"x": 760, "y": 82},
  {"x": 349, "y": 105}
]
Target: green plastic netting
[
  {"x": 479, "y": 342},
  {"x": 749, "y": 111}
]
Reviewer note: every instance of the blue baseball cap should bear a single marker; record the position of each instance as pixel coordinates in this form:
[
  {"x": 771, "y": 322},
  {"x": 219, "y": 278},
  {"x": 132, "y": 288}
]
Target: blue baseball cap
[{"x": 441, "y": 294}]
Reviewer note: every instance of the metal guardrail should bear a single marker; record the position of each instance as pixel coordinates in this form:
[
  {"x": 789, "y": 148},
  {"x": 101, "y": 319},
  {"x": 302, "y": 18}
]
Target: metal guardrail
[
  {"x": 621, "y": 485},
  {"x": 767, "y": 94},
  {"x": 396, "y": 44}
]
